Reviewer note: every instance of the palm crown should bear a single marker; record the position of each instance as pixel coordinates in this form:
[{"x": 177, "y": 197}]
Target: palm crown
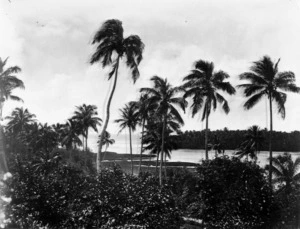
[
  {"x": 110, "y": 40},
  {"x": 202, "y": 84},
  {"x": 265, "y": 80}
]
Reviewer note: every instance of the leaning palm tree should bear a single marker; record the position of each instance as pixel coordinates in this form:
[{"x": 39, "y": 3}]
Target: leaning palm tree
[
  {"x": 265, "y": 80},
  {"x": 203, "y": 84},
  {"x": 8, "y": 82},
  {"x": 285, "y": 172},
  {"x": 129, "y": 119},
  {"x": 112, "y": 48},
  {"x": 163, "y": 96}
]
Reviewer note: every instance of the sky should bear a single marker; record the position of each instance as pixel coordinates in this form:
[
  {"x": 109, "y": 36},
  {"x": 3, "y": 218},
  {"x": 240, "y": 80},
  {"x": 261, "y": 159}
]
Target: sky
[{"x": 51, "y": 41}]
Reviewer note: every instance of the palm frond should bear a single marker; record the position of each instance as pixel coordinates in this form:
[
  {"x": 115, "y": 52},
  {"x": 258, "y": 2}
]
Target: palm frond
[
  {"x": 253, "y": 100},
  {"x": 280, "y": 99}
]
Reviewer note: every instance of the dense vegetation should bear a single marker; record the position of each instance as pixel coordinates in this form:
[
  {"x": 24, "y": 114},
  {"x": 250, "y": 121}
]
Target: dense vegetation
[{"x": 231, "y": 139}]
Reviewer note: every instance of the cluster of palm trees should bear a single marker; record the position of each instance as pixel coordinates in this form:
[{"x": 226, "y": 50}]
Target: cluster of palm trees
[{"x": 202, "y": 84}]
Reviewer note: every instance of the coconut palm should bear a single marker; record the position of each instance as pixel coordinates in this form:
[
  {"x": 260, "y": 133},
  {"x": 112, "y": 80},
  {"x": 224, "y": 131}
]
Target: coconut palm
[
  {"x": 163, "y": 97},
  {"x": 107, "y": 140},
  {"x": 153, "y": 136},
  {"x": 129, "y": 119},
  {"x": 8, "y": 82},
  {"x": 144, "y": 109},
  {"x": 253, "y": 143},
  {"x": 112, "y": 48},
  {"x": 285, "y": 171},
  {"x": 265, "y": 80},
  {"x": 85, "y": 116},
  {"x": 19, "y": 120},
  {"x": 203, "y": 84},
  {"x": 70, "y": 134}
]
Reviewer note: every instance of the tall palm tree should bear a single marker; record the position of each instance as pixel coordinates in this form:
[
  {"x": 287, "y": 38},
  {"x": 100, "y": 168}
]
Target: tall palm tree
[
  {"x": 265, "y": 80},
  {"x": 85, "y": 115},
  {"x": 112, "y": 48},
  {"x": 285, "y": 171},
  {"x": 203, "y": 84},
  {"x": 129, "y": 119},
  {"x": 8, "y": 82},
  {"x": 163, "y": 96}
]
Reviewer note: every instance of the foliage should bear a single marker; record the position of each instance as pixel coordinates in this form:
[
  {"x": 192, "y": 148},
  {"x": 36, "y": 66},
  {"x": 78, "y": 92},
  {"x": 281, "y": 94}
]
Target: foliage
[
  {"x": 234, "y": 194},
  {"x": 61, "y": 196}
]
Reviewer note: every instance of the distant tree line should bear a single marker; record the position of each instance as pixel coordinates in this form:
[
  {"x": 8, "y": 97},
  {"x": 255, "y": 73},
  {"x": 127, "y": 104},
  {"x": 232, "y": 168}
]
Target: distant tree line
[{"x": 232, "y": 139}]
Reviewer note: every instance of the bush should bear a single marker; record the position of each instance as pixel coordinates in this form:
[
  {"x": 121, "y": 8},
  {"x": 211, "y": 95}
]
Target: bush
[
  {"x": 65, "y": 197},
  {"x": 234, "y": 194}
]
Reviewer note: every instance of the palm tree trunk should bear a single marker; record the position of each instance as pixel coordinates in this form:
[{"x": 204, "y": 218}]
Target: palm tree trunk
[
  {"x": 107, "y": 117},
  {"x": 143, "y": 126},
  {"x": 270, "y": 140},
  {"x": 206, "y": 137},
  {"x": 130, "y": 144},
  {"x": 86, "y": 147},
  {"x": 162, "y": 150},
  {"x": 165, "y": 165},
  {"x": 3, "y": 163},
  {"x": 156, "y": 167}
]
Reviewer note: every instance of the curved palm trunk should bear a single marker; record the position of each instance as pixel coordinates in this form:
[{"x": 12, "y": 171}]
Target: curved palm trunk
[
  {"x": 143, "y": 126},
  {"x": 162, "y": 150},
  {"x": 107, "y": 118},
  {"x": 130, "y": 144},
  {"x": 270, "y": 139},
  {"x": 206, "y": 137}
]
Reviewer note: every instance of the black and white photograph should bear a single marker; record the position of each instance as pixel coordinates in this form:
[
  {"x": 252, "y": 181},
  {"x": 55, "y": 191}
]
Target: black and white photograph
[{"x": 150, "y": 114}]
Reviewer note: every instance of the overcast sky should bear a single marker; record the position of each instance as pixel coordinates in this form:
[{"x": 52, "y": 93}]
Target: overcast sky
[{"x": 51, "y": 41}]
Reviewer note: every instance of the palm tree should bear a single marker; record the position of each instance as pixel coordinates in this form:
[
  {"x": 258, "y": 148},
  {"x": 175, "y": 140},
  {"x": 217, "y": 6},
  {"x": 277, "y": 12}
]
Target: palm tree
[
  {"x": 265, "y": 80},
  {"x": 85, "y": 115},
  {"x": 203, "y": 84},
  {"x": 144, "y": 109},
  {"x": 285, "y": 171},
  {"x": 8, "y": 82},
  {"x": 253, "y": 143},
  {"x": 129, "y": 119},
  {"x": 19, "y": 120},
  {"x": 70, "y": 135},
  {"x": 107, "y": 140},
  {"x": 163, "y": 97},
  {"x": 112, "y": 47}
]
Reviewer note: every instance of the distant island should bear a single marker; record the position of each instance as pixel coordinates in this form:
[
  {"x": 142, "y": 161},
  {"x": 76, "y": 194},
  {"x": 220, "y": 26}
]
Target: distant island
[{"x": 231, "y": 139}]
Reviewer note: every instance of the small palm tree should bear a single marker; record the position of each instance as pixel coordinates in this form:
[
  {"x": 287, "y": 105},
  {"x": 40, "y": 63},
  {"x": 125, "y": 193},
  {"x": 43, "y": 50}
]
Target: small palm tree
[
  {"x": 285, "y": 172},
  {"x": 112, "y": 47},
  {"x": 19, "y": 120},
  {"x": 70, "y": 135},
  {"x": 203, "y": 84},
  {"x": 129, "y": 119},
  {"x": 253, "y": 143},
  {"x": 85, "y": 116},
  {"x": 107, "y": 140},
  {"x": 163, "y": 97},
  {"x": 265, "y": 80}
]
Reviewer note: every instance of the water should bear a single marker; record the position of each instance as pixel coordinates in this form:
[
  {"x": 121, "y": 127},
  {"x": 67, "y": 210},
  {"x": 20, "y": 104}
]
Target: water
[{"x": 184, "y": 155}]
